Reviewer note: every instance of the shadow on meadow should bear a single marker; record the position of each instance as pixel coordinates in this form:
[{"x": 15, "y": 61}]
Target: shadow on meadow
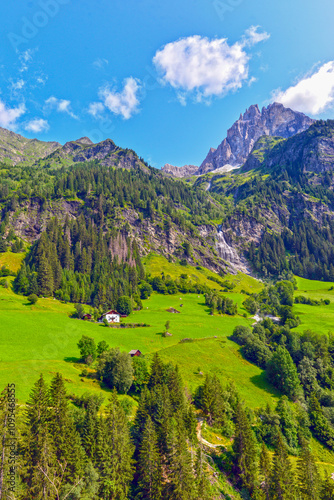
[
  {"x": 74, "y": 360},
  {"x": 261, "y": 382}
]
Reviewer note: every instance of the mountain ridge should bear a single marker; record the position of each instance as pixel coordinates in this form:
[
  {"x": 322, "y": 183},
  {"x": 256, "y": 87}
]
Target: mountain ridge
[{"x": 234, "y": 150}]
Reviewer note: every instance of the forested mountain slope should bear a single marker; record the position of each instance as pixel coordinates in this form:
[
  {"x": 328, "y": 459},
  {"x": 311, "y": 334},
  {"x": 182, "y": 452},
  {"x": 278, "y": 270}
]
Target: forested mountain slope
[
  {"x": 277, "y": 212},
  {"x": 282, "y": 204}
]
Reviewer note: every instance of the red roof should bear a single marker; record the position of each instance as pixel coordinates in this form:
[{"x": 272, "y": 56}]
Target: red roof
[{"x": 135, "y": 352}]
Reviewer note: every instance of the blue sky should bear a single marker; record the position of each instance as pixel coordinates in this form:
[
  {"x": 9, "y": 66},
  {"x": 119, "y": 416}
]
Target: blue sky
[{"x": 166, "y": 79}]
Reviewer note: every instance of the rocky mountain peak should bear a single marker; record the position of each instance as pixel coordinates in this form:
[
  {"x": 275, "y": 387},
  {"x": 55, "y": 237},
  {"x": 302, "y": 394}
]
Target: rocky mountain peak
[
  {"x": 85, "y": 140},
  {"x": 184, "y": 171},
  {"x": 273, "y": 120}
]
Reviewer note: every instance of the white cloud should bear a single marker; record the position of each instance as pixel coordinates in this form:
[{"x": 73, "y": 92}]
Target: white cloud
[
  {"x": 25, "y": 58},
  {"x": 41, "y": 80},
  {"x": 252, "y": 36},
  {"x": 9, "y": 116},
  {"x": 61, "y": 105},
  {"x": 313, "y": 94},
  {"x": 18, "y": 85},
  {"x": 100, "y": 63},
  {"x": 124, "y": 103},
  {"x": 96, "y": 109},
  {"x": 37, "y": 125},
  {"x": 206, "y": 67}
]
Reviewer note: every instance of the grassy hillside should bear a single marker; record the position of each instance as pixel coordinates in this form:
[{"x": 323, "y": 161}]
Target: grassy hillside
[
  {"x": 156, "y": 264},
  {"x": 11, "y": 260},
  {"x": 43, "y": 337},
  {"x": 317, "y": 318},
  {"x": 221, "y": 357}
]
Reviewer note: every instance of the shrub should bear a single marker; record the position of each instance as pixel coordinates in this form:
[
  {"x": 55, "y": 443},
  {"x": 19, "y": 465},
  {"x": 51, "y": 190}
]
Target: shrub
[
  {"x": 87, "y": 349},
  {"x": 32, "y": 299},
  {"x": 115, "y": 368}
]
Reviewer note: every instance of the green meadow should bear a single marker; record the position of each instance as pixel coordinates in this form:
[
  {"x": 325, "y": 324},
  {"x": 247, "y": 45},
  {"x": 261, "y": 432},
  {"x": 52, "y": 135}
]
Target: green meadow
[
  {"x": 42, "y": 338},
  {"x": 319, "y": 319}
]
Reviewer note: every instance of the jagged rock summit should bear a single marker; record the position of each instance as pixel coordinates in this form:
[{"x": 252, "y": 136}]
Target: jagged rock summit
[
  {"x": 274, "y": 120},
  {"x": 184, "y": 171}
]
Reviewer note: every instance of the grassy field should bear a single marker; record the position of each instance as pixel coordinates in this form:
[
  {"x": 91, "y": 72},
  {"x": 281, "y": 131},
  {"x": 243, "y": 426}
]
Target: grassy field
[
  {"x": 43, "y": 337},
  {"x": 320, "y": 319},
  {"x": 11, "y": 260}
]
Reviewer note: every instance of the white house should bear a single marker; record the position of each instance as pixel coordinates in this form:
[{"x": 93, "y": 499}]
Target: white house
[{"x": 111, "y": 316}]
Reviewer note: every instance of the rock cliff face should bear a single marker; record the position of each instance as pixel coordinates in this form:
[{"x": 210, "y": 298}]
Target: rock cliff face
[
  {"x": 184, "y": 171},
  {"x": 311, "y": 151},
  {"x": 275, "y": 120}
]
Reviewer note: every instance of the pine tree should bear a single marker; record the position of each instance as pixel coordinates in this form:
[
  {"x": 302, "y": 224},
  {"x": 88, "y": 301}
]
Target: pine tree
[
  {"x": 265, "y": 469},
  {"x": 157, "y": 371},
  {"x": 245, "y": 450},
  {"x": 38, "y": 451},
  {"x": 33, "y": 285},
  {"x": 114, "y": 452},
  {"x": 45, "y": 278},
  {"x": 176, "y": 392},
  {"x": 149, "y": 466},
  {"x": 308, "y": 475},
  {"x": 90, "y": 430},
  {"x": 182, "y": 481},
  {"x": 21, "y": 282},
  {"x": 143, "y": 411},
  {"x": 66, "y": 440},
  {"x": 203, "y": 485},
  {"x": 282, "y": 485}
]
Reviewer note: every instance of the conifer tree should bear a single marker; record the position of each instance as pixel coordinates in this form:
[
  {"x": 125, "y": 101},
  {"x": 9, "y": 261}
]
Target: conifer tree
[
  {"x": 38, "y": 452},
  {"x": 45, "y": 278},
  {"x": 282, "y": 485},
  {"x": 176, "y": 393},
  {"x": 115, "y": 451},
  {"x": 90, "y": 430},
  {"x": 143, "y": 411},
  {"x": 203, "y": 486},
  {"x": 149, "y": 466},
  {"x": 66, "y": 440},
  {"x": 245, "y": 450},
  {"x": 182, "y": 481},
  {"x": 308, "y": 475},
  {"x": 265, "y": 470},
  {"x": 157, "y": 371}
]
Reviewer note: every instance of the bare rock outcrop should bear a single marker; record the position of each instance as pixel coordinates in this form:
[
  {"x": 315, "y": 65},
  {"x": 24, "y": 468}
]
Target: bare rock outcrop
[
  {"x": 184, "y": 171},
  {"x": 274, "y": 120}
]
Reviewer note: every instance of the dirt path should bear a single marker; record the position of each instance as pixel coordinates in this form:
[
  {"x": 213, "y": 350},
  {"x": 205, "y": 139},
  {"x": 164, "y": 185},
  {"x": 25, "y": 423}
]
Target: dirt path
[{"x": 201, "y": 439}]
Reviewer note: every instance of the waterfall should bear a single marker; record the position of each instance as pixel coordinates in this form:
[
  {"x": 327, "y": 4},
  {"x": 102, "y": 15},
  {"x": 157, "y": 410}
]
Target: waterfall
[
  {"x": 225, "y": 251},
  {"x": 209, "y": 186}
]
